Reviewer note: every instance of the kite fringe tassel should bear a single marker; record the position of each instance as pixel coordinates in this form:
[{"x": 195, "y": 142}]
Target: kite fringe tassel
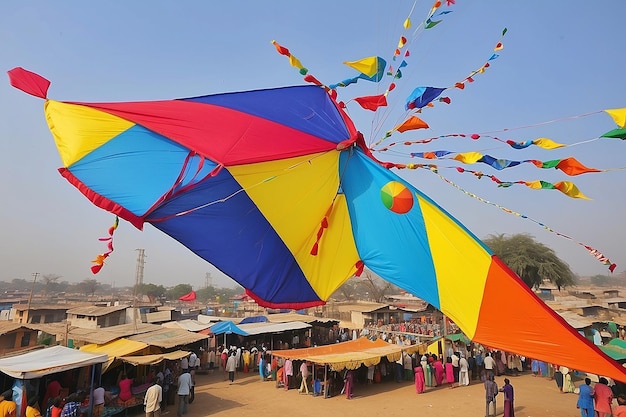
[
  {"x": 592, "y": 251},
  {"x": 99, "y": 260},
  {"x": 320, "y": 232}
]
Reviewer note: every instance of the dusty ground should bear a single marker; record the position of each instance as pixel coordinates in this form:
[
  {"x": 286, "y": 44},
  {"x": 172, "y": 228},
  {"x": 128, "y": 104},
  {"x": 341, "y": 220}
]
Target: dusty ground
[{"x": 249, "y": 397}]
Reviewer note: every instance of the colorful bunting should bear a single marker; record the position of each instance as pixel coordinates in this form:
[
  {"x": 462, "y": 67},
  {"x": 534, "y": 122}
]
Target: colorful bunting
[
  {"x": 594, "y": 252},
  {"x": 421, "y": 96},
  {"x": 618, "y": 115},
  {"x": 570, "y": 166},
  {"x": 615, "y": 133},
  {"x": 293, "y": 61},
  {"x": 372, "y": 102},
  {"x": 368, "y": 66},
  {"x": 376, "y": 68},
  {"x": 99, "y": 260},
  {"x": 412, "y": 123}
]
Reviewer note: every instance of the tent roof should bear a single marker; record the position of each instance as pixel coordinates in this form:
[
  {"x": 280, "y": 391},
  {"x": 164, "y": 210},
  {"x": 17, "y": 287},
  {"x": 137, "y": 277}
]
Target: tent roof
[
  {"x": 349, "y": 355},
  {"x": 616, "y": 349},
  {"x": 168, "y": 338},
  {"x": 264, "y": 328},
  {"x": 286, "y": 317},
  {"x": 203, "y": 318},
  {"x": 48, "y": 361},
  {"x": 190, "y": 325},
  {"x": 99, "y": 336},
  {"x": 154, "y": 359},
  {"x": 227, "y": 327},
  {"x": 115, "y": 349}
]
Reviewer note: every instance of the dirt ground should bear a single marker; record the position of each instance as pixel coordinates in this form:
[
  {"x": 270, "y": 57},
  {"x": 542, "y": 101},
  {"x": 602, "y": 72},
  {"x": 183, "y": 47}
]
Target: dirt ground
[{"x": 250, "y": 397}]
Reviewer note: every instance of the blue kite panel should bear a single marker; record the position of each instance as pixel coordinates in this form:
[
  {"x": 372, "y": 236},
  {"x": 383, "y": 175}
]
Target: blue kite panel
[
  {"x": 137, "y": 167},
  {"x": 394, "y": 246},
  {"x": 306, "y": 108},
  {"x": 222, "y": 225}
]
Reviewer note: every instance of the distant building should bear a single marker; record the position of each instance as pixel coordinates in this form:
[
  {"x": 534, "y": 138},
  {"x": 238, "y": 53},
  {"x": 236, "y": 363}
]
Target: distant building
[
  {"x": 95, "y": 317},
  {"x": 15, "y": 337},
  {"x": 39, "y": 313},
  {"x": 611, "y": 293}
]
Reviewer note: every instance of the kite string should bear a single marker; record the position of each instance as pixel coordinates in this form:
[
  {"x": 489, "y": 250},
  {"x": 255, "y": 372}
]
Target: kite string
[
  {"x": 236, "y": 192},
  {"x": 545, "y": 122},
  {"x": 594, "y": 252}
]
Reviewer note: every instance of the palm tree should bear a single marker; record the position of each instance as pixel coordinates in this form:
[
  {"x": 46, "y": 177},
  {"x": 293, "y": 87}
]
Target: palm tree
[{"x": 532, "y": 261}]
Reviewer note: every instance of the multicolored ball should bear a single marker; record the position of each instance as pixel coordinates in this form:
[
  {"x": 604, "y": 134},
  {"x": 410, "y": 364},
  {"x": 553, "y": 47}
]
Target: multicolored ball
[{"x": 396, "y": 197}]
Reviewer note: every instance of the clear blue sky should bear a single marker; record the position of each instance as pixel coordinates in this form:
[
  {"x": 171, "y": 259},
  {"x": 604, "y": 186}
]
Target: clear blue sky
[{"x": 560, "y": 59}]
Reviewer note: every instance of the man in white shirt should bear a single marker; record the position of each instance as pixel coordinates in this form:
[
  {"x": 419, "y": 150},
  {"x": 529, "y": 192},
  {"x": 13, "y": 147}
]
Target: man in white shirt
[
  {"x": 193, "y": 360},
  {"x": 152, "y": 399},
  {"x": 184, "y": 388},
  {"x": 489, "y": 363}
]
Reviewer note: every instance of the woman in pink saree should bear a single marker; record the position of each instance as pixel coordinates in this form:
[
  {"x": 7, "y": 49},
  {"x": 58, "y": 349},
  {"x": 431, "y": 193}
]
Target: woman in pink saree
[
  {"x": 449, "y": 372},
  {"x": 439, "y": 372},
  {"x": 419, "y": 379}
]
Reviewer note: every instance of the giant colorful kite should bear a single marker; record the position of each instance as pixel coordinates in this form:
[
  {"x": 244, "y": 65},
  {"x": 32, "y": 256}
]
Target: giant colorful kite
[{"x": 279, "y": 190}]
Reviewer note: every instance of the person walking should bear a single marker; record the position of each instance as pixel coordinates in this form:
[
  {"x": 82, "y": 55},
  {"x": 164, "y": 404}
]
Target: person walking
[
  {"x": 184, "y": 388},
  {"x": 304, "y": 373},
  {"x": 507, "y": 389},
  {"x": 231, "y": 367},
  {"x": 603, "y": 397},
  {"x": 349, "y": 384},
  {"x": 585, "y": 399},
  {"x": 152, "y": 399},
  {"x": 491, "y": 392}
]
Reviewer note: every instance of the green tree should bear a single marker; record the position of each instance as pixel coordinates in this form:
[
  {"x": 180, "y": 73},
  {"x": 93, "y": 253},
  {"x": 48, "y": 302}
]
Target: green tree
[
  {"x": 600, "y": 280},
  {"x": 207, "y": 294},
  {"x": 532, "y": 261},
  {"x": 153, "y": 291},
  {"x": 178, "y": 291},
  {"x": 89, "y": 286}
]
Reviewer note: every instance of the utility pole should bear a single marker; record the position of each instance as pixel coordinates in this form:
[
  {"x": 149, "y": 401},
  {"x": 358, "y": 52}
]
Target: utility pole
[
  {"x": 141, "y": 260},
  {"x": 30, "y": 297}
]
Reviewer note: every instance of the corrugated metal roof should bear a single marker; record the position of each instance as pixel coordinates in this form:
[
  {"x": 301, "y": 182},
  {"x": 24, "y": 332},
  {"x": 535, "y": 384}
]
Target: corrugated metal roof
[
  {"x": 168, "y": 338},
  {"x": 98, "y": 336},
  {"x": 23, "y": 307},
  {"x": 9, "y": 326},
  {"x": 203, "y": 318},
  {"x": 159, "y": 316},
  {"x": 576, "y": 320},
  {"x": 189, "y": 325},
  {"x": 96, "y": 310}
]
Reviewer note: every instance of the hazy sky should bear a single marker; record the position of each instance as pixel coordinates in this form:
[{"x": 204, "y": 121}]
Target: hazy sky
[{"x": 560, "y": 59}]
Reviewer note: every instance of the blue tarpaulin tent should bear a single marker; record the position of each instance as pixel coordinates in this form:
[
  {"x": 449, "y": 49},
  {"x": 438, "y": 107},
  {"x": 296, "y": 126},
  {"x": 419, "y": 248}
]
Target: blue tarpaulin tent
[{"x": 226, "y": 327}]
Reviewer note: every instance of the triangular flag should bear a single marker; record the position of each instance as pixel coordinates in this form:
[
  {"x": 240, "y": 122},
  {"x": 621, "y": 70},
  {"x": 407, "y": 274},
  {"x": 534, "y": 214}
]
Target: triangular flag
[
  {"x": 372, "y": 102},
  {"x": 618, "y": 115},
  {"x": 367, "y": 66},
  {"x": 412, "y": 123},
  {"x": 546, "y": 143}
]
